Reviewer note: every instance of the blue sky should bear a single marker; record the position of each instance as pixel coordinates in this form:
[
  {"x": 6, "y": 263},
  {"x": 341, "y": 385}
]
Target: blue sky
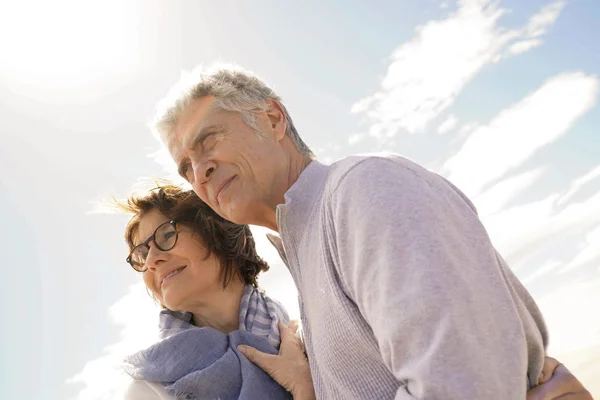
[{"x": 500, "y": 96}]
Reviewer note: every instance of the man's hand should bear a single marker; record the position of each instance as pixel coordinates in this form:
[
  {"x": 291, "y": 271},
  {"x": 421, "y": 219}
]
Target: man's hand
[
  {"x": 557, "y": 383},
  {"x": 289, "y": 368}
]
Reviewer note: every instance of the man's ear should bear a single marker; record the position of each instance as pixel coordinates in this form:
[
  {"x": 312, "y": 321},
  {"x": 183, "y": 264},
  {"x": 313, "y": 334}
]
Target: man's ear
[{"x": 277, "y": 119}]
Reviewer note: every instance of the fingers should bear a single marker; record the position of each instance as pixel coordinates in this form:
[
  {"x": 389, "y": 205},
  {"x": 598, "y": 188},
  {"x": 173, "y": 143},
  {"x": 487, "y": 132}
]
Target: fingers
[
  {"x": 576, "y": 396},
  {"x": 289, "y": 370},
  {"x": 550, "y": 365},
  {"x": 568, "y": 379},
  {"x": 294, "y": 325},
  {"x": 561, "y": 383},
  {"x": 287, "y": 331},
  {"x": 290, "y": 343},
  {"x": 266, "y": 362},
  {"x": 287, "y": 335}
]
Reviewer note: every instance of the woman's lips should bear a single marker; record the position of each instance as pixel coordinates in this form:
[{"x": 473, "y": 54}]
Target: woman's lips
[{"x": 171, "y": 275}]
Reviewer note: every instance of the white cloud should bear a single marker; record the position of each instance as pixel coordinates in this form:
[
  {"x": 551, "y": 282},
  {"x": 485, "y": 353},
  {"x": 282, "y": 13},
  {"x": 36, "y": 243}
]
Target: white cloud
[
  {"x": 427, "y": 73},
  {"x": 537, "y": 27},
  {"x": 588, "y": 251},
  {"x": 541, "y": 271},
  {"x": 540, "y": 23},
  {"x": 137, "y": 316},
  {"x": 578, "y": 184},
  {"x": 492, "y": 200},
  {"x": 524, "y": 46},
  {"x": 526, "y": 229},
  {"x": 520, "y": 130},
  {"x": 448, "y": 125},
  {"x": 355, "y": 138}
]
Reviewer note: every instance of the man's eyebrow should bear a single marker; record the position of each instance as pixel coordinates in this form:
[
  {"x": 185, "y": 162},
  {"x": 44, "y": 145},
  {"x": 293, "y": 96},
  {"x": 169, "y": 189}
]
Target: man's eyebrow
[{"x": 198, "y": 137}]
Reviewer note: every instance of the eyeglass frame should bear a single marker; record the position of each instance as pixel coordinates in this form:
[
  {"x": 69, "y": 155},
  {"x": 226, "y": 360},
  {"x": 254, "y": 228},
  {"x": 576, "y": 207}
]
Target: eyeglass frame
[{"x": 152, "y": 239}]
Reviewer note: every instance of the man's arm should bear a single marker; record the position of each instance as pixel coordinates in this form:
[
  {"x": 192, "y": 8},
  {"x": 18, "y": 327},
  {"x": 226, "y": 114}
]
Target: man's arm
[{"x": 414, "y": 257}]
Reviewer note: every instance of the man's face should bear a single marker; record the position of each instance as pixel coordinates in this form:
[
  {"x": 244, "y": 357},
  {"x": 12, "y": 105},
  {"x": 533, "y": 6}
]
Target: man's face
[{"x": 238, "y": 172}]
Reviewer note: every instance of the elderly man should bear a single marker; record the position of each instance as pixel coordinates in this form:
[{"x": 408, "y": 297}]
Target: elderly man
[{"x": 401, "y": 292}]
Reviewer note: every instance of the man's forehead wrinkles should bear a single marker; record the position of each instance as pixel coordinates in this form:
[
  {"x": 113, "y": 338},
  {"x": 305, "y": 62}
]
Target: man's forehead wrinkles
[
  {"x": 190, "y": 136},
  {"x": 198, "y": 115},
  {"x": 189, "y": 127}
]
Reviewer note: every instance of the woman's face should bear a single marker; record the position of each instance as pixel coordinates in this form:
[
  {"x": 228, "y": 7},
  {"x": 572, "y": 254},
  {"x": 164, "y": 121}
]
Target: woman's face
[{"x": 182, "y": 277}]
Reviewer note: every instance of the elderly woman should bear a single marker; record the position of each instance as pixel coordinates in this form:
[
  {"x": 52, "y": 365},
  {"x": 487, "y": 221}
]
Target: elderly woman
[{"x": 202, "y": 270}]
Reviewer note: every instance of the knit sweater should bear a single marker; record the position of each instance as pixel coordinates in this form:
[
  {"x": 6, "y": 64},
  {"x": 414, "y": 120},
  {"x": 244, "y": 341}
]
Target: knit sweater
[{"x": 401, "y": 291}]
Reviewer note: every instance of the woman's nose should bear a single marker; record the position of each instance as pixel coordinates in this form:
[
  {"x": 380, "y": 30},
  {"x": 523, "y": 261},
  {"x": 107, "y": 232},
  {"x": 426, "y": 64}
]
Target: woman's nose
[{"x": 155, "y": 257}]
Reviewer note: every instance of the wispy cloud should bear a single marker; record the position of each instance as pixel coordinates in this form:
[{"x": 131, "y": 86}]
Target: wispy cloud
[
  {"x": 517, "y": 132},
  {"x": 448, "y": 125},
  {"x": 587, "y": 252},
  {"x": 578, "y": 184},
  {"x": 531, "y": 35},
  {"x": 524, "y": 230},
  {"x": 494, "y": 199},
  {"x": 427, "y": 73}
]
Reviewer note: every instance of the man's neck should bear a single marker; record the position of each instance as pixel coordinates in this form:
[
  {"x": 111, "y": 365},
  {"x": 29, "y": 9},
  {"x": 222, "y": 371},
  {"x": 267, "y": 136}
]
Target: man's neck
[{"x": 296, "y": 166}]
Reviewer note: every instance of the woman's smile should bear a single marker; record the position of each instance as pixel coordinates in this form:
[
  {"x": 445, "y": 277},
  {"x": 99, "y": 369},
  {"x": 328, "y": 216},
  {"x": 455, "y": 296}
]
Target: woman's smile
[{"x": 170, "y": 276}]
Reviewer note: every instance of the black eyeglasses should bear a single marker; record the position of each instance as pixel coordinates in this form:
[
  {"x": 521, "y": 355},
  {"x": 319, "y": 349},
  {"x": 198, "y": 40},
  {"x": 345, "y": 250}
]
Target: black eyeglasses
[{"x": 164, "y": 238}]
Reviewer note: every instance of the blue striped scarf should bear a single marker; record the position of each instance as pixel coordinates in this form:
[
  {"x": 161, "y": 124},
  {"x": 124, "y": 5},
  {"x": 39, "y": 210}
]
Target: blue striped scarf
[{"x": 203, "y": 363}]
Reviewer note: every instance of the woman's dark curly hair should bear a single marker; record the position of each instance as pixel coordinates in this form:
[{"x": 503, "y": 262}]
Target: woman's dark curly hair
[{"x": 231, "y": 243}]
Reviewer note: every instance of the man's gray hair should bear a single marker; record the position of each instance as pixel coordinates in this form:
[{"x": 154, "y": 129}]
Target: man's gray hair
[{"x": 234, "y": 89}]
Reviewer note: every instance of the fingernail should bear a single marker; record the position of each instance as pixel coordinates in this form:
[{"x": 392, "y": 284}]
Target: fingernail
[{"x": 241, "y": 349}]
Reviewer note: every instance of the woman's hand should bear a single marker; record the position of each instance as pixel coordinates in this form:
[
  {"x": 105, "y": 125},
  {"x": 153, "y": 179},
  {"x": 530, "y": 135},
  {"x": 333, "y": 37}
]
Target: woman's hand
[
  {"x": 289, "y": 368},
  {"x": 557, "y": 382}
]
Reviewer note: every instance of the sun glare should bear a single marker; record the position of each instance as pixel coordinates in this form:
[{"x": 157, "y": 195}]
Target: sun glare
[{"x": 66, "y": 44}]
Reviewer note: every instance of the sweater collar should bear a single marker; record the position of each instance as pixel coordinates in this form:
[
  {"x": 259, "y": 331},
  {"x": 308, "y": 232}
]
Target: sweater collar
[{"x": 300, "y": 199}]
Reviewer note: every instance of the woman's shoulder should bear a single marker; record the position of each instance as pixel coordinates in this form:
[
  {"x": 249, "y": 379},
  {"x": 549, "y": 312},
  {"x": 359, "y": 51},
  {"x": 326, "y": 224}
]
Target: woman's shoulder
[{"x": 145, "y": 390}]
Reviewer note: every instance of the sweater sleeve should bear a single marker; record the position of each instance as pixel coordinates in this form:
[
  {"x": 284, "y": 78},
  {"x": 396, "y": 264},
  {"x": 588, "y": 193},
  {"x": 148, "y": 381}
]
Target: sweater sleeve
[{"x": 414, "y": 257}]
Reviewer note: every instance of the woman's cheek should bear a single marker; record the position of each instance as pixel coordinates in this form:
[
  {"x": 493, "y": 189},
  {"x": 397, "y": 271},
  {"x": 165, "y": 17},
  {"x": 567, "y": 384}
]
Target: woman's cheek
[{"x": 149, "y": 282}]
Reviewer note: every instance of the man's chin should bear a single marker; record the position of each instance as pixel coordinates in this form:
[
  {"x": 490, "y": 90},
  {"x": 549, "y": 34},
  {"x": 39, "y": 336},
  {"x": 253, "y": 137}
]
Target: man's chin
[
  {"x": 230, "y": 214},
  {"x": 237, "y": 213}
]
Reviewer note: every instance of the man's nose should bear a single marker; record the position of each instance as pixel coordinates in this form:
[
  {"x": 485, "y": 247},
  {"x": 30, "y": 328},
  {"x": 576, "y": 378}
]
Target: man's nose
[{"x": 204, "y": 170}]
